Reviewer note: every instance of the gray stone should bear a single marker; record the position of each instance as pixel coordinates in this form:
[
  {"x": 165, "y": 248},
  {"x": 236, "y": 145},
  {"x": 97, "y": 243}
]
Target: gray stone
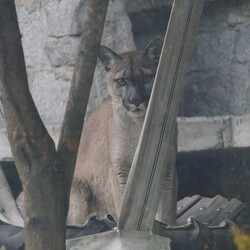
[
  {"x": 33, "y": 36},
  {"x": 50, "y": 93},
  {"x": 30, "y": 6},
  {"x": 221, "y": 91},
  {"x": 242, "y": 48},
  {"x": 210, "y": 52},
  {"x": 117, "y": 30},
  {"x": 62, "y": 51},
  {"x": 51, "y": 34},
  {"x": 201, "y": 95},
  {"x": 219, "y": 80},
  {"x": 235, "y": 18},
  {"x": 63, "y": 17},
  {"x": 199, "y": 133},
  {"x": 243, "y": 8},
  {"x": 241, "y": 131},
  {"x": 138, "y": 5},
  {"x": 203, "y": 133}
]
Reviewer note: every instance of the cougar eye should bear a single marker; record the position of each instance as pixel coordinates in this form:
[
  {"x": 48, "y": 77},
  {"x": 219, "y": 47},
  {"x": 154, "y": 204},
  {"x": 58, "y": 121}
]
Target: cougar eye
[
  {"x": 121, "y": 81},
  {"x": 147, "y": 78}
]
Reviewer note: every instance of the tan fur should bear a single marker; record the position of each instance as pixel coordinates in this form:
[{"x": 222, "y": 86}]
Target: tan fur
[{"x": 110, "y": 137}]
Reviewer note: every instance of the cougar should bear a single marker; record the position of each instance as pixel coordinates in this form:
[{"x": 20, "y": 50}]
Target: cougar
[{"x": 110, "y": 137}]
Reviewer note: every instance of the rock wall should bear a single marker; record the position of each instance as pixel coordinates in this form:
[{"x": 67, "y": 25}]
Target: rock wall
[
  {"x": 51, "y": 31},
  {"x": 218, "y": 80},
  {"x": 219, "y": 77}
]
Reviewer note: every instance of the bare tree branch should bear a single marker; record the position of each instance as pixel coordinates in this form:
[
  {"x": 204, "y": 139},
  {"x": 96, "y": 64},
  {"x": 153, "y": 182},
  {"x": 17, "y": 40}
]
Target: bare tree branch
[
  {"x": 81, "y": 84},
  {"x": 45, "y": 173},
  {"x": 22, "y": 118},
  {"x": 32, "y": 147}
]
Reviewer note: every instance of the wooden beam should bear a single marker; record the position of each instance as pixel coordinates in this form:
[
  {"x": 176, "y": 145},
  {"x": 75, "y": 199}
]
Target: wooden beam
[{"x": 142, "y": 192}]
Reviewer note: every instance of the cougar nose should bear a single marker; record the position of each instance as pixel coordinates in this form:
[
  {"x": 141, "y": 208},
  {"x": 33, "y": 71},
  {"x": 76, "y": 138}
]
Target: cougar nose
[{"x": 136, "y": 100}]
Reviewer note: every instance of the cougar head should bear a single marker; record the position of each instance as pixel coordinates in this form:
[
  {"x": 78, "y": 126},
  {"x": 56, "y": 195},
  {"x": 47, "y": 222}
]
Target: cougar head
[{"x": 130, "y": 76}]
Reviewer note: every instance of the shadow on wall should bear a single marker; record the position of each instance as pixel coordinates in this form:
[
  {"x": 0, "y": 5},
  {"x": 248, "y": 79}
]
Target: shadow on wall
[
  {"x": 218, "y": 79},
  {"x": 218, "y": 84},
  {"x": 208, "y": 173}
]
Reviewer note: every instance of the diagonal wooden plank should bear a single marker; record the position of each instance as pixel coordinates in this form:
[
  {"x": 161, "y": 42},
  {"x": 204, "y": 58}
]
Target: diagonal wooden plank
[
  {"x": 194, "y": 211},
  {"x": 142, "y": 193},
  {"x": 210, "y": 211},
  {"x": 229, "y": 211},
  {"x": 186, "y": 203}
]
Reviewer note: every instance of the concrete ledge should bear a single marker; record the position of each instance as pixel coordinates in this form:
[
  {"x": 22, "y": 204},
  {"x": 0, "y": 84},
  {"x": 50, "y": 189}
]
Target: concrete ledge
[
  {"x": 207, "y": 133},
  {"x": 194, "y": 134}
]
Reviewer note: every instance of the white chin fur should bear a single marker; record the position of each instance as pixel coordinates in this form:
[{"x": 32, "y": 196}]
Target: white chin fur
[{"x": 137, "y": 111}]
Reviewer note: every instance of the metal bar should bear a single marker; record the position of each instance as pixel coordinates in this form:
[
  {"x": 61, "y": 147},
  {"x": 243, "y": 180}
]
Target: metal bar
[{"x": 142, "y": 192}]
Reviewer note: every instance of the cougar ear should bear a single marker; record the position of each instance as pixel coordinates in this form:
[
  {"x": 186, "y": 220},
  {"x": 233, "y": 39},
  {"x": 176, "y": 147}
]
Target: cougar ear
[
  {"x": 153, "y": 51},
  {"x": 108, "y": 57}
]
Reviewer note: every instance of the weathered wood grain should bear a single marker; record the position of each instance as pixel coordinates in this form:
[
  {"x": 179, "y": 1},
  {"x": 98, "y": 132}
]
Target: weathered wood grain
[{"x": 149, "y": 165}]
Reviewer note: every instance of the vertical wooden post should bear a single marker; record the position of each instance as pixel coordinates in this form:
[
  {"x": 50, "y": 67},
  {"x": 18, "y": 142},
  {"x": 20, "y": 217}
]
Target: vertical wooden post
[
  {"x": 142, "y": 192},
  {"x": 46, "y": 173}
]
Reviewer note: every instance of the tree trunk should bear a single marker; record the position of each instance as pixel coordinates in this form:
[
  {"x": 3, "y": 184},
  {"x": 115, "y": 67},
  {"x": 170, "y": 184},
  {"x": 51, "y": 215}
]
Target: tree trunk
[{"x": 46, "y": 174}]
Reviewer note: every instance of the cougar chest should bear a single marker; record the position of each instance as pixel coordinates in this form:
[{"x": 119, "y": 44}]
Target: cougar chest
[
  {"x": 112, "y": 132},
  {"x": 125, "y": 133}
]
